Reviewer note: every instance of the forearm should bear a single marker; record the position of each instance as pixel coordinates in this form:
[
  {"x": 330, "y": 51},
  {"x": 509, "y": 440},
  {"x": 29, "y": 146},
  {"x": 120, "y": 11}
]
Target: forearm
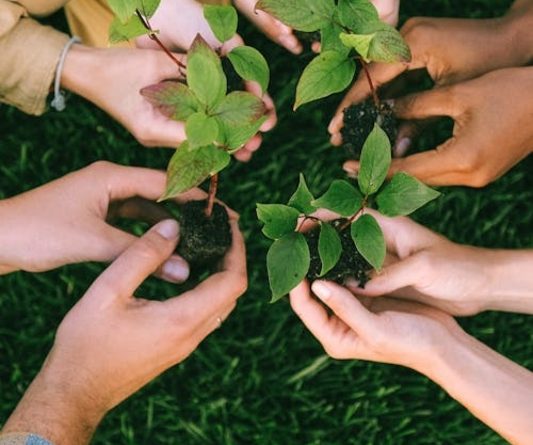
[
  {"x": 493, "y": 388},
  {"x": 511, "y": 286},
  {"x": 50, "y": 410}
]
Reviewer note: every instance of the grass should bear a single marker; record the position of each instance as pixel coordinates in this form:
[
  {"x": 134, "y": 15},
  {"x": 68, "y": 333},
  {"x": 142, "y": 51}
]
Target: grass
[{"x": 261, "y": 379}]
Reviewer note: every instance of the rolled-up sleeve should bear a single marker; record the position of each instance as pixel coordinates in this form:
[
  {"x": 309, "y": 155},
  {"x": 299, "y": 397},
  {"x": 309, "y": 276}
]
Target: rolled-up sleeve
[{"x": 29, "y": 53}]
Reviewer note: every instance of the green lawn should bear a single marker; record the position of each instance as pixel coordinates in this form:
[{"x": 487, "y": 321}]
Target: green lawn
[{"x": 262, "y": 378}]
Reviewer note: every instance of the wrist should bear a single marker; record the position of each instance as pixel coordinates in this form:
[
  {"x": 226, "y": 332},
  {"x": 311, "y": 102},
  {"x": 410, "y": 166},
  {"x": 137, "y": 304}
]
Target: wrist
[
  {"x": 55, "y": 408},
  {"x": 511, "y": 286},
  {"x": 8, "y": 239},
  {"x": 80, "y": 64}
]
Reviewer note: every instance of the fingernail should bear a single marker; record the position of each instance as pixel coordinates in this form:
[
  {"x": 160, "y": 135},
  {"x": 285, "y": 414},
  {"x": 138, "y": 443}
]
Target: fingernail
[
  {"x": 352, "y": 282},
  {"x": 321, "y": 290},
  {"x": 175, "y": 269},
  {"x": 402, "y": 146},
  {"x": 168, "y": 229}
]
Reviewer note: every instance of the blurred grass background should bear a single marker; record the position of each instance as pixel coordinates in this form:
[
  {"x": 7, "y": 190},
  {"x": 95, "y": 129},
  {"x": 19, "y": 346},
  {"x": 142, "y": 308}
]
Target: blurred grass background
[{"x": 261, "y": 379}]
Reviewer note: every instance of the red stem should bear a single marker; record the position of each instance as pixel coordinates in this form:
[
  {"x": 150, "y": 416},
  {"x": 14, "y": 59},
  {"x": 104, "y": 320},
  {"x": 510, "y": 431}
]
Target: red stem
[
  {"x": 370, "y": 83},
  {"x": 349, "y": 222},
  {"x": 213, "y": 186},
  {"x": 152, "y": 35}
]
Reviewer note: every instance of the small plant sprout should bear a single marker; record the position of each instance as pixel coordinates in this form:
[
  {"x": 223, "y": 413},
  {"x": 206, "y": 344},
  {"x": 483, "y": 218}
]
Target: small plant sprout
[
  {"x": 350, "y": 246},
  {"x": 217, "y": 124},
  {"x": 350, "y": 31}
]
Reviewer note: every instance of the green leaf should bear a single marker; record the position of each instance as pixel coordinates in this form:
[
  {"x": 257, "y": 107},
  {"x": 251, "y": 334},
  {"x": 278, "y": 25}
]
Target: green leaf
[
  {"x": 303, "y": 15},
  {"x": 278, "y": 219},
  {"x": 148, "y": 7},
  {"x": 239, "y": 108},
  {"x": 387, "y": 45},
  {"x": 288, "y": 262},
  {"x": 223, "y": 21},
  {"x": 329, "y": 247},
  {"x": 121, "y": 32},
  {"x": 355, "y": 13},
  {"x": 172, "y": 99},
  {"x": 201, "y": 130},
  {"x": 403, "y": 195},
  {"x": 375, "y": 161},
  {"x": 189, "y": 168},
  {"x": 369, "y": 240},
  {"x": 328, "y": 73},
  {"x": 205, "y": 76},
  {"x": 250, "y": 65},
  {"x": 330, "y": 39},
  {"x": 123, "y": 9},
  {"x": 359, "y": 42},
  {"x": 341, "y": 197},
  {"x": 302, "y": 197},
  {"x": 234, "y": 137}
]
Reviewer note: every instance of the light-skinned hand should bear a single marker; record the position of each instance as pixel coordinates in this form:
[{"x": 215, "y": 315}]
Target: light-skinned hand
[
  {"x": 180, "y": 21},
  {"x": 65, "y": 221},
  {"x": 112, "y": 343}
]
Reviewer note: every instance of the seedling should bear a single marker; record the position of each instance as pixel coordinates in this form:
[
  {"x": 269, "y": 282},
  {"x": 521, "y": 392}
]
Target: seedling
[
  {"x": 217, "y": 123},
  {"x": 351, "y": 34},
  {"x": 350, "y": 246}
]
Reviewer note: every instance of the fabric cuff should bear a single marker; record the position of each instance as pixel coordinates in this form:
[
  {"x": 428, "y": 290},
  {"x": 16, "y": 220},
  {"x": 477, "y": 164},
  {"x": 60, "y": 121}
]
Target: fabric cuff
[{"x": 30, "y": 53}]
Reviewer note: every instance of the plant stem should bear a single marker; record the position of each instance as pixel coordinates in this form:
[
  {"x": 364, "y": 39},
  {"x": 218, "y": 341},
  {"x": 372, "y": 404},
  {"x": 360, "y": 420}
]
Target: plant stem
[
  {"x": 213, "y": 186},
  {"x": 370, "y": 83},
  {"x": 349, "y": 222},
  {"x": 152, "y": 35}
]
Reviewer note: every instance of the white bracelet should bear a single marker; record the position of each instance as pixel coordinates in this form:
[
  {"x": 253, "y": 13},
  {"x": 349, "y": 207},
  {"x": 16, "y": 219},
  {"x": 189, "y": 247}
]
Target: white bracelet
[{"x": 58, "y": 102}]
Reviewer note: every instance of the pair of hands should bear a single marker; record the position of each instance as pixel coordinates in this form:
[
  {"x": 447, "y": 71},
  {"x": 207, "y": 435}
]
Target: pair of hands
[
  {"x": 111, "y": 343},
  {"x": 407, "y": 307},
  {"x": 490, "y": 112}
]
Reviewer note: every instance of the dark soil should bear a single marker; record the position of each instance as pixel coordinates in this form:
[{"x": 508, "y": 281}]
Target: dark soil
[
  {"x": 359, "y": 121},
  {"x": 307, "y": 38},
  {"x": 203, "y": 241},
  {"x": 351, "y": 263},
  {"x": 235, "y": 82}
]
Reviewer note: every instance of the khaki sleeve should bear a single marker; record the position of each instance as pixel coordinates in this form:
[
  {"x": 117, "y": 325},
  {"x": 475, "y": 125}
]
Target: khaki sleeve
[{"x": 29, "y": 56}]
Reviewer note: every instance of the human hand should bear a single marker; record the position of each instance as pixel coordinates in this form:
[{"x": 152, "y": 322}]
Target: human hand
[
  {"x": 451, "y": 50},
  {"x": 117, "y": 76},
  {"x": 492, "y": 130},
  {"x": 64, "y": 221},
  {"x": 112, "y": 343},
  {"x": 380, "y": 329},
  {"x": 179, "y": 23}
]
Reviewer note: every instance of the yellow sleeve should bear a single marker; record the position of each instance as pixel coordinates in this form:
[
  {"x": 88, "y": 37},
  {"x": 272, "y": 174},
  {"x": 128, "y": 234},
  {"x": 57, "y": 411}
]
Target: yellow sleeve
[{"x": 29, "y": 56}]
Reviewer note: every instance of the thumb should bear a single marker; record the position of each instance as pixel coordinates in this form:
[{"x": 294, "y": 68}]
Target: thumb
[
  {"x": 401, "y": 274},
  {"x": 138, "y": 261}
]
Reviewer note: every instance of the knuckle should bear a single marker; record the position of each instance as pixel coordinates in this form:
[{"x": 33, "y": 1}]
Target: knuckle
[
  {"x": 334, "y": 352},
  {"x": 150, "y": 247},
  {"x": 416, "y": 28},
  {"x": 101, "y": 167},
  {"x": 479, "y": 178}
]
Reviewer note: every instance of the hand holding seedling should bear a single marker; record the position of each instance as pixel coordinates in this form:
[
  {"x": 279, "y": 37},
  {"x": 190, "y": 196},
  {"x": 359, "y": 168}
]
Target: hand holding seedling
[
  {"x": 461, "y": 280},
  {"x": 493, "y": 388},
  {"x": 492, "y": 129},
  {"x": 112, "y": 343},
  {"x": 116, "y": 77},
  {"x": 451, "y": 50},
  {"x": 65, "y": 221}
]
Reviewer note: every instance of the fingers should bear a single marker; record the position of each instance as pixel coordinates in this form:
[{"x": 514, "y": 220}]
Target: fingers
[
  {"x": 401, "y": 274},
  {"x": 428, "y": 104},
  {"x": 168, "y": 68},
  {"x": 344, "y": 305},
  {"x": 162, "y": 132},
  {"x": 140, "y": 260},
  {"x": 255, "y": 89},
  {"x": 209, "y": 298},
  {"x": 271, "y": 27}
]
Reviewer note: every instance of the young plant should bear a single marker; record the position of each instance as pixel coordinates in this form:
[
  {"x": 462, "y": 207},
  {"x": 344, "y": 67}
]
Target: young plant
[
  {"x": 350, "y": 33},
  {"x": 350, "y": 246},
  {"x": 217, "y": 124}
]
